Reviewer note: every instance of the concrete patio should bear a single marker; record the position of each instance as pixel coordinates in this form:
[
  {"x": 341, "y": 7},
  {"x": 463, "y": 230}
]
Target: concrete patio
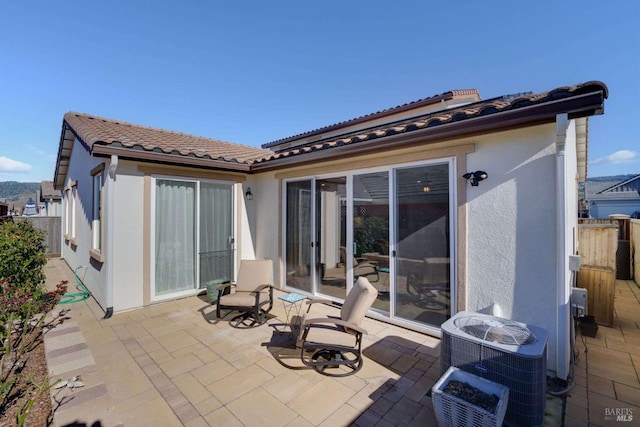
[
  {"x": 174, "y": 363},
  {"x": 608, "y": 367}
]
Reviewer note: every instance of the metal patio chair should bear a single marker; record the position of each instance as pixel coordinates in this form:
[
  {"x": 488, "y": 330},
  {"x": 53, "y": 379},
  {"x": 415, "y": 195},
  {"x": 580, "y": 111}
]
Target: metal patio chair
[
  {"x": 253, "y": 295},
  {"x": 331, "y": 345}
]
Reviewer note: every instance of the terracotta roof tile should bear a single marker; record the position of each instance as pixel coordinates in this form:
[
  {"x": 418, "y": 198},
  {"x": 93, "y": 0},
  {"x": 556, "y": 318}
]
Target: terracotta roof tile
[
  {"x": 48, "y": 192},
  {"x": 413, "y": 104},
  {"x": 94, "y": 130},
  {"x": 438, "y": 118}
]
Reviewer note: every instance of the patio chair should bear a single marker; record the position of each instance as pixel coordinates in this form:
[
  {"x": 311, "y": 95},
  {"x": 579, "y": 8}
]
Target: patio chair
[
  {"x": 253, "y": 295},
  {"x": 330, "y": 342},
  {"x": 361, "y": 266}
]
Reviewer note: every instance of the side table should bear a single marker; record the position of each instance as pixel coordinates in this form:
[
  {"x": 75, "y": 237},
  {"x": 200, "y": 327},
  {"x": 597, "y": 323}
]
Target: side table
[{"x": 292, "y": 303}]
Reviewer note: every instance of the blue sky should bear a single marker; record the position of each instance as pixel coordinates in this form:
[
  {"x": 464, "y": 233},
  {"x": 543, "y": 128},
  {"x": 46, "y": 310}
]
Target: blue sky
[{"x": 252, "y": 72}]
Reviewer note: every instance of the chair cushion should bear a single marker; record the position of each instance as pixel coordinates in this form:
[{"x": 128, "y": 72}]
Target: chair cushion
[
  {"x": 359, "y": 300},
  {"x": 253, "y": 273},
  {"x": 330, "y": 335},
  {"x": 242, "y": 299}
]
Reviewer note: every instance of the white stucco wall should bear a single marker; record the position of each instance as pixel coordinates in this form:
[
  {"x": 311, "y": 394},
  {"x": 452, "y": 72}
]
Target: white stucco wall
[
  {"x": 512, "y": 228},
  {"x": 566, "y": 248},
  {"x": 246, "y": 223},
  {"x": 93, "y": 274},
  {"x": 267, "y": 223},
  {"x": 128, "y": 237}
]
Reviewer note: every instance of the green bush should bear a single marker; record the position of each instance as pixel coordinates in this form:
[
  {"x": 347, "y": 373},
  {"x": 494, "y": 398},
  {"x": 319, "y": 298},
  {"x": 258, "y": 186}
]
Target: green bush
[
  {"x": 22, "y": 254},
  {"x": 371, "y": 234},
  {"x": 24, "y": 303}
]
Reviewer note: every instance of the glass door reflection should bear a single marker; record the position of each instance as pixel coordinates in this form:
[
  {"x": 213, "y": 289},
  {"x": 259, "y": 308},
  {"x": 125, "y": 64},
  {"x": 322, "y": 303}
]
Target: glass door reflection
[
  {"x": 298, "y": 235},
  {"x": 422, "y": 244},
  {"x": 371, "y": 233},
  {"x": 331, "y": 236}
]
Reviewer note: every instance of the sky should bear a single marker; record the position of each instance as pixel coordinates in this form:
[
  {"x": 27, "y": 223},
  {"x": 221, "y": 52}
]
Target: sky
[{"x": 252, "y": 72}]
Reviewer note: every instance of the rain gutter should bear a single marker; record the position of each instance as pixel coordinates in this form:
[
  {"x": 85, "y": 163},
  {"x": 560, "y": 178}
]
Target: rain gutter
[
  {"x": 562, "y": 246},
  {"x": 110, "y": 243}
]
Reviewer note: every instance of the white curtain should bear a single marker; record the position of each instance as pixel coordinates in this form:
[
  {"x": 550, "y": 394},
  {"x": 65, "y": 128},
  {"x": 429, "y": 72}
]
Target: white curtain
[
  {"x": 216, "y": 232},
  {"x": 175, "y": 235}
]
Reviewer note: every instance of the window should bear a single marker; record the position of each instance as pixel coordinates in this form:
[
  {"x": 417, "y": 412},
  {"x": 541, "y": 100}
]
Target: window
[
  {"x": 71, "y": 193},
  {"x": 96, "y": 216},
  {"x": 67, "y": 212}
]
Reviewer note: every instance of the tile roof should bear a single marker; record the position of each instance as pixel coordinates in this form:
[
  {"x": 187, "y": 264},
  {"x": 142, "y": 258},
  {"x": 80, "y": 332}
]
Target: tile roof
[
  {"x": 48, "y": 192},
  {"x": 104, "y": 136},
  {"x": 629, "y": 184},
  {"x": 94, "y": 131},
  {"x": 387, "y": 111},
  {"x": 594, "y": 187},
  {"x": 451, "y": 116},
  {"x": 628, "y": 189}
]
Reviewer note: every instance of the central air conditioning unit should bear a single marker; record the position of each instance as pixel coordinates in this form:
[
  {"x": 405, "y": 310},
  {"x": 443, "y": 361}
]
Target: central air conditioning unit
[{"x": 504, "y": 351}]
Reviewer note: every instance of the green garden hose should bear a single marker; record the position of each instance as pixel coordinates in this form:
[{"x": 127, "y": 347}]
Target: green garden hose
[{"x": 76, "y": 296}]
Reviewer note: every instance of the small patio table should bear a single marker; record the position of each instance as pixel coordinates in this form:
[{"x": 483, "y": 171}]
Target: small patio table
[{"x": 292, "y": 301}]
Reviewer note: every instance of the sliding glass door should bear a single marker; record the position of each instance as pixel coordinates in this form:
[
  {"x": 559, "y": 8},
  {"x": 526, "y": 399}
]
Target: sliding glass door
[
  {"x": 298, "y": 232},
  {"x": 316, "y": 236},
  {"x": 175, "y": 236},
  {"x": 193, "y": 235},
  {"x": 422, "y": 244},
  {"x": 331, "y": 236},
  {"x": 216, "y": 250},
  {"x": 371, "y": 233},
  {"x": 392, "y": 226}
]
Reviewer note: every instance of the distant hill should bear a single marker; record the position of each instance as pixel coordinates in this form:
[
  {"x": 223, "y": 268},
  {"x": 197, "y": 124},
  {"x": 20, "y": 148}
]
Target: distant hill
[{"x": 11, "y": 191}]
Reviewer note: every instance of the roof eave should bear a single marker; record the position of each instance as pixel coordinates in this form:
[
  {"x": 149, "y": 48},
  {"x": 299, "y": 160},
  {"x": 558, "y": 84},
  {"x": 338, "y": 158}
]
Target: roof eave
[
  {"x": 576, "y": 106},
  {"x": 620, "y": 184},
  {"x": 65, "y": 146},
  {"x": 165, "y": 158},
  {"x": 369, "y": 117}
]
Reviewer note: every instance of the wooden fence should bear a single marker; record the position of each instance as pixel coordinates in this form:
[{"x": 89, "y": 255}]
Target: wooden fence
[
  {"x": 635, "y": 249},
  {"x": 622, "y": 224},
  {"x": 608, "y": 249},
  {"x": 597, "y": 245},
  {"x": 51, "y": 225}
]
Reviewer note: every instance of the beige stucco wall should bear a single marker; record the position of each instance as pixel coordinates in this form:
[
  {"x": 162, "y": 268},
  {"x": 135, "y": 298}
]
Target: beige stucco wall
[
  {"x": 508, "y": 251},
  {"x": 506, "y": 227},
  {"x": 513, "y": 247},
  {"x": 266, "y": 224}
]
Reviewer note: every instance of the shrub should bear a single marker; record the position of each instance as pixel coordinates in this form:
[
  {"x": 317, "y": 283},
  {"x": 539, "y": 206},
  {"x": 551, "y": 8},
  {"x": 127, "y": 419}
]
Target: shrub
[
  {"x": 22, "y": 254},
  {"x": 24, "y": 303}
]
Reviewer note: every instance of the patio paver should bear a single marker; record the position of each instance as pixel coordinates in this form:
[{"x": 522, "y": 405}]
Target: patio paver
[{"x": 174, "y": 363}]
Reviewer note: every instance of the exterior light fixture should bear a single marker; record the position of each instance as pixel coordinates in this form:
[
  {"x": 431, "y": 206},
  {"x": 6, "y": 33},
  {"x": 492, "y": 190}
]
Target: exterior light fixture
[
  {"x": 475, "y": 177},
  {"x": 248, "y": 194},
  {"x": 425, "y": 187}
]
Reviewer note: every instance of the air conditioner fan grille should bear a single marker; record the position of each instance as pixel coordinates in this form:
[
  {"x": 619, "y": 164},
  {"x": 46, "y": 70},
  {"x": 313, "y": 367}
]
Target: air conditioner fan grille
[{"x": 502, "y": 332}]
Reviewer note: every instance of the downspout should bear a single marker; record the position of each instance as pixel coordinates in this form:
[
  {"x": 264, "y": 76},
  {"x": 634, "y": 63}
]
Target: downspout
[
  {"x": 110, "y": 217},
  {"x": 563, "y": 318}
]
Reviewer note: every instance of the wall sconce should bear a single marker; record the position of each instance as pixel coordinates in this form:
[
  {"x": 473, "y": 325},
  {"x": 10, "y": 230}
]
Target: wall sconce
[
  {"x": 475, "y": 177},
  {"x": 248, "y": 194}
]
